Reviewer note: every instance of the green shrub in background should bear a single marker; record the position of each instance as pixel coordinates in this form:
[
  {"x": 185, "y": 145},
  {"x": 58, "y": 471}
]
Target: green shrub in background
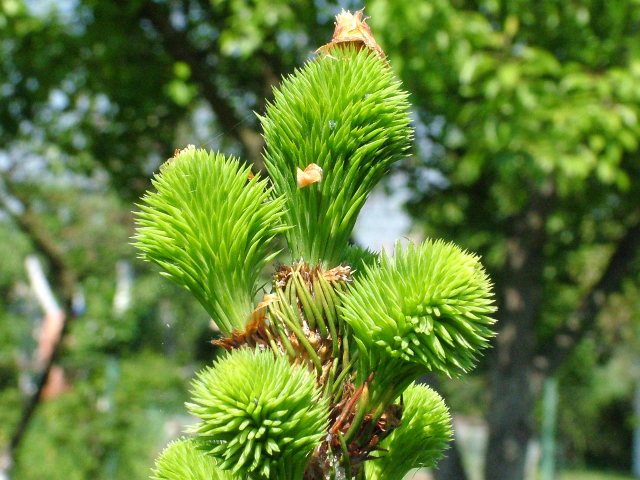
[{"x": 318, "y": 380}]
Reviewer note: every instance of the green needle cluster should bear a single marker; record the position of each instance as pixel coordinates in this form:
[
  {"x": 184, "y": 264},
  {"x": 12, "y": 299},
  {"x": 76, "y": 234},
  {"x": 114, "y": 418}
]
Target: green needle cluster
[
  {"x": 209, "y": 227},
  {"x": 311, "y": 387},
  {"x": 261, "y": 416},
  {"x": 429, "y": 305},
  {"x": 419, "y": 441},
  {"x": 182, "y": 460},
  {"x": 348, "y": 114}
]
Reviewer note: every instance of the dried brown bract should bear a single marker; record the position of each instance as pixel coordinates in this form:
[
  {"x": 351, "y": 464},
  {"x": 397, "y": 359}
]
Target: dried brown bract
[
  {"x": 255, "y": 332},
  {"x": 352, "y": 29},
  {"x": 341, "y": 273}
]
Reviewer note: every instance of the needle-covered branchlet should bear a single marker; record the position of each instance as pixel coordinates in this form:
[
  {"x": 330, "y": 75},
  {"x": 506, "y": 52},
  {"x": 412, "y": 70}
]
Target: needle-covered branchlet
[
  {"x": 334, "y": 129},
  {"x": 261, "y": 417},
  {"x": 209, "y": 227},
  {"x": 182, "y": 459},
  {"x": 428, "y": 305},
  {"x": 419, "y": 440},
  {"x": 427, "y": 309}
]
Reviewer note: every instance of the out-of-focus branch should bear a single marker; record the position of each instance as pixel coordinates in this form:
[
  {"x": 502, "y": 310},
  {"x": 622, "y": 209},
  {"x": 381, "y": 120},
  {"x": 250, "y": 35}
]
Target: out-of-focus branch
[
  {"x": 55, "y": 317},
  {"x": 49, "y": 346},
  {"x": 30, "y": 223},
  {"x": 178, "y": 45},
  {"x": 583, "y": 319}
]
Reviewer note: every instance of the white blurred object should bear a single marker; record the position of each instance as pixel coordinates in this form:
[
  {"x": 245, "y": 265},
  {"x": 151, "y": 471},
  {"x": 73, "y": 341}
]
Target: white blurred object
[
  {"x": 382, "y": 220},
  {"x": 124, "y": 282},
  {"x": 5, "y": 464},
  {"x": 40, "y": 286},
  {"x": 54, "y": 317}
]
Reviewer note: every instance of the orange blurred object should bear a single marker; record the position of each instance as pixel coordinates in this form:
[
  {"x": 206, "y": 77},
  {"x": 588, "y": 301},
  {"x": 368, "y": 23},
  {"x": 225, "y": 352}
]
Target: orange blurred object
[
  {"x": 311, "y": 174},
  {"x": 352, "y": 28}
]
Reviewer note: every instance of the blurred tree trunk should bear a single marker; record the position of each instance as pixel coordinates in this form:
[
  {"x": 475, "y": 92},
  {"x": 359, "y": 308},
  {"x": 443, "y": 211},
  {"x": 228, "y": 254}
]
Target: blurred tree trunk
[
  {"x": 519, "y": 365},
  {"x": 513, "y": 389},
  {"x": 511, "y": 422}
]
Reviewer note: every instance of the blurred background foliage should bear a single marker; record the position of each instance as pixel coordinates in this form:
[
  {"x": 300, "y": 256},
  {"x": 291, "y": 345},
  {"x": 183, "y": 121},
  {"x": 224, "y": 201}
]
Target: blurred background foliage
[{"x": 527, "y": 131}]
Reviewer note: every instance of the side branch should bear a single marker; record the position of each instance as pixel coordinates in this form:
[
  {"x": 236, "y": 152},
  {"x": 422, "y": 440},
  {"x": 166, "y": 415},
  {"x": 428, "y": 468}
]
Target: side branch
[
  {"x": 31, "y": 225},
  {"x": 177, "y": 44},
  {"x": 583, "y": 319}
]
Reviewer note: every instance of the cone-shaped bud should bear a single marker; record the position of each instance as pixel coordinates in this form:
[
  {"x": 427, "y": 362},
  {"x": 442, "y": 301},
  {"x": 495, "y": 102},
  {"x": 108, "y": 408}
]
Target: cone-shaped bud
[
  {"x": 347, "y": 115},
  {"x": 208, "y": 225},
  {"x": 261, "y": 416},
  {"x": 182, "y": 460},
  {"x": 430, "y": 305},
  {"x": 419, "y": 441}
]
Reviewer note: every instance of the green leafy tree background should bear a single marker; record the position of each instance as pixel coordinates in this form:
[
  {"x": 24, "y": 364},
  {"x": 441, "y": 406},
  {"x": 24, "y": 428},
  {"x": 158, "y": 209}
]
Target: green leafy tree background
[{"x": 526, "y": 117}]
